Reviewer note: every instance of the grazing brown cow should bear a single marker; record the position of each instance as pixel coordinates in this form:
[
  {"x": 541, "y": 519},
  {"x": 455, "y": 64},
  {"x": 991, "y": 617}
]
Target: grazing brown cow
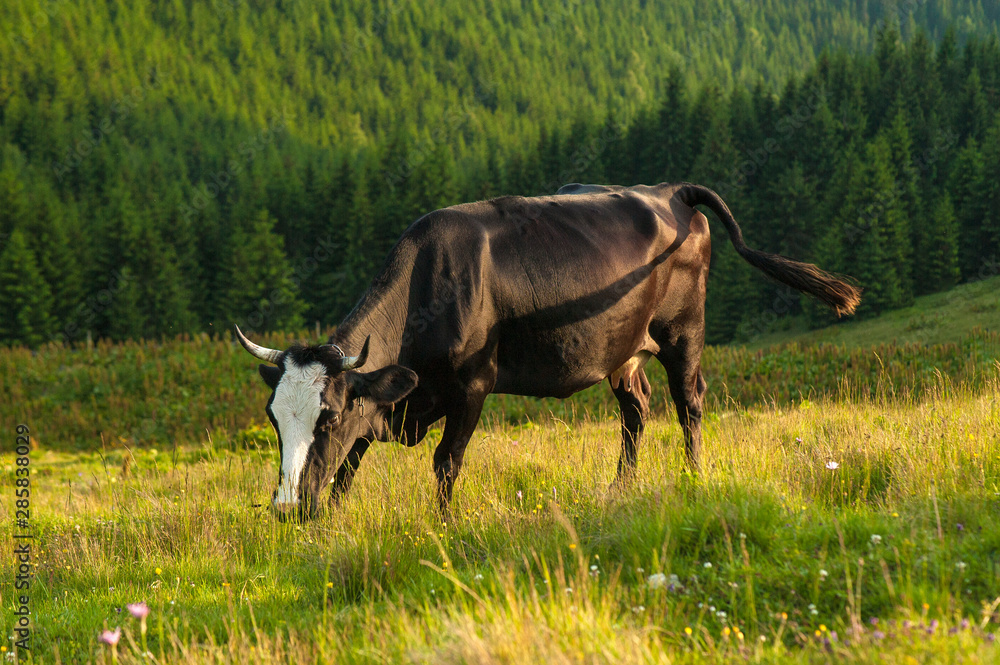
[{"x": 540, "y": 296}]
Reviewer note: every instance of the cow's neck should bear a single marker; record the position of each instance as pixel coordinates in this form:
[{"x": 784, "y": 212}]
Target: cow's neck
[{"x": 376, "y": 314}]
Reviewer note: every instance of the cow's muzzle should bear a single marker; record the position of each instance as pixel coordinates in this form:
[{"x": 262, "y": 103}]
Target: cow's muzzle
[{"x": 300, "y": 511}]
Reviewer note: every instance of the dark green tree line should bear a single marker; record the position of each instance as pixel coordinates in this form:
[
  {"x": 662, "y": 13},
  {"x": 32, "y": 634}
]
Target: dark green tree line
[{"x": 171, "y": 168}]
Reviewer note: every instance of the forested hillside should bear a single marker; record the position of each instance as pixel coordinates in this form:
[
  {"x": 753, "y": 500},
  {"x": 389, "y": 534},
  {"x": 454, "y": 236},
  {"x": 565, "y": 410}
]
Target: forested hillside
[
  {"x": 176, "y": 166},
  {"x": 885, "y": 167}
]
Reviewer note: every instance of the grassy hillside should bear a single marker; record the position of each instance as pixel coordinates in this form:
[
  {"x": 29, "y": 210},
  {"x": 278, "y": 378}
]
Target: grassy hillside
[
  {"x": 770, "y": 555},
  {"x": 170, "y": 393},
  {"x": 939, "y": 318}
]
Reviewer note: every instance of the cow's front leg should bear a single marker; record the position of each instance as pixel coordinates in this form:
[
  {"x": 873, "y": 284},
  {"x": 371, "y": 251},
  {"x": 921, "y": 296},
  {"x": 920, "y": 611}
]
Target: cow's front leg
[
  {"x": 458, "y": 428},
  {"x": 345, "y": 474}
]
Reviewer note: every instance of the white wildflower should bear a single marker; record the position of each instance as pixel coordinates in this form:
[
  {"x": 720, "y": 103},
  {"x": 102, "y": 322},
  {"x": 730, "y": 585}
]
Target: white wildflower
[{"x": 656, "y": 581}]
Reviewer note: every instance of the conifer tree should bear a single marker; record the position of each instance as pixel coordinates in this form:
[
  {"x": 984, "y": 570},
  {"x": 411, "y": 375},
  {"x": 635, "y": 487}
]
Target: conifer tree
[
  {"x": 124, "y": 314},
  {"x": 939, "y": 256},
  {"x": 261, "y": 294},
  {"x": 971, "y": 193},
  {"x": 907, "y": 198},
  {"x": 431, "y": 185},
  {"x": 990, "y": 223},
  {"x": 668, "y": 155},
  {"x": 730, "y": 291},
  {"x": 870, "y": 244},
  {"x": 25, "y": 298}
]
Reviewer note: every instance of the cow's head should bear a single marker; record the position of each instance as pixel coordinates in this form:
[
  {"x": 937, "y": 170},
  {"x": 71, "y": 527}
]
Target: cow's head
[{"x": 320, "y": 406}]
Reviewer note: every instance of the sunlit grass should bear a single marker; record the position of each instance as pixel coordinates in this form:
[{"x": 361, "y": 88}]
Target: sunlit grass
[
  {"x": 937, "y": 318},
  {"x": 773, "y": 551},
  {"x": 177, "y": 392}
]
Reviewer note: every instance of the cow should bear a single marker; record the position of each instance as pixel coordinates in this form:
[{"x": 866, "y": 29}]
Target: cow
[{"x": 541, "y": 296}]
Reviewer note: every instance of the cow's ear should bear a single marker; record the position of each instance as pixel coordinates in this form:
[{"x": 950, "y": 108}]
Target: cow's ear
[
  {"x": 270, "y": 374},
  {"x": 386, "y": 386}
]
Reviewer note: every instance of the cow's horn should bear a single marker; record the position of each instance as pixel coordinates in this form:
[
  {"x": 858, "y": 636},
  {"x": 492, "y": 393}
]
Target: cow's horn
[
  {"x": 354, "y": 362},
  {"x": 257, "y": 351}
]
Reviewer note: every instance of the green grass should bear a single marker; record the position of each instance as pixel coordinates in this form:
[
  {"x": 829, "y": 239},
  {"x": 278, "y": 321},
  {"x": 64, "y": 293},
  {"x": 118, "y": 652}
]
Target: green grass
[
  {"x": 168, "y": 393},
  {"x": 543, "y": 563},
  {"x": 152, "y": 466},
  {"x": 939, "y": 318}
]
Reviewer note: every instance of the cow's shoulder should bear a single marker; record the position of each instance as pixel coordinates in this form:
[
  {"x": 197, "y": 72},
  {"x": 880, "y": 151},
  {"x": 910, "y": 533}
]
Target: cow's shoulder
[{"x": 461, "y": 230}]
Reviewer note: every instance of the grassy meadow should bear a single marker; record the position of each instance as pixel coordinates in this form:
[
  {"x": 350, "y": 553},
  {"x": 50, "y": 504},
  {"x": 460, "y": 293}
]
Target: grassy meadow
[
  {"x": 769, "y": 555},
  {"x": 937, "y": 318},
  {"x": 849, "y": 510}
]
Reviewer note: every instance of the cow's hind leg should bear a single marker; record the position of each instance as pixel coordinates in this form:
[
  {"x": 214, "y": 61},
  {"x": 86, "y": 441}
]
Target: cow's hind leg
[
  {"x": 345, "y": 474},
  {"x": 682, "y": 360},
  {"x": 633, "y": 402}
]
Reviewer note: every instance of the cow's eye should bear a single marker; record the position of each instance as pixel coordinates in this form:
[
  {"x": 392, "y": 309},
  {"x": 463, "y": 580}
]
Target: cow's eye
[{"x": 329, "y": 419}]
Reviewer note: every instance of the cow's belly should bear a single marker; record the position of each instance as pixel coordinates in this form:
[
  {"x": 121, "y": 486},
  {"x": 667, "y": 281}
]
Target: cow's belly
[
  {"x": 545, "y": 384},
  {"x": 543, "y": 367},
  {"x": 550, "y": 382}
]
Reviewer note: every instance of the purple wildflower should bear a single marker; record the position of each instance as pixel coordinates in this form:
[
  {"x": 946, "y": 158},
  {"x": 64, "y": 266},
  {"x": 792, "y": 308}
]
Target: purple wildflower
[
  {"x": 138, "y": 610},
  {"x": 878, "y": 635},
  {"x": 110, "y": 638}
]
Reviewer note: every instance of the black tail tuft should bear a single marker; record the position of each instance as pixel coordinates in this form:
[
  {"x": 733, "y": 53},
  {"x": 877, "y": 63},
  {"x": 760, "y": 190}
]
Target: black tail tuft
[{"x": 842, "y": 297}]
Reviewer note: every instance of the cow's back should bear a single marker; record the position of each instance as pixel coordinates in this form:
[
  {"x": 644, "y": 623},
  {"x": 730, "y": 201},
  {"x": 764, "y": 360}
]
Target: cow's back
[{"x": 576, "y": 280}]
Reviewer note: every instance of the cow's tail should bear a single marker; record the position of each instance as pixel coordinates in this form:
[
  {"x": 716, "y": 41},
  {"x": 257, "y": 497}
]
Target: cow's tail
[{"x": 840, "y": 296}]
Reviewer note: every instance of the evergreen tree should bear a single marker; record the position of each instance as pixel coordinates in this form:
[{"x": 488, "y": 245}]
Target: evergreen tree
[
  {"x": 975, "y": 110},
  {"x": 166, "y": 303},
  {"x": 25, "y": 298},
  {"x": 971, "y": 194},
  {"x": 431, "y": 186},
  {"x": 667, "y": 157},
  {"x": 871, "y": 245},
  {"x": 730, "y": 290},
  {"x": 990, "y": 223},
  {"x": 939, "y": 256},
  {"x": 125, "y": 316},
  {"x": 907, "y": 199},
  {"x": 329, "y": 293},
  {"x": 261, "y": 293}
]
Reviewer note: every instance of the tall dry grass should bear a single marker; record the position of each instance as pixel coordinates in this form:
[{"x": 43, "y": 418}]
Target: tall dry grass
[{"x": 773, "y": 551}]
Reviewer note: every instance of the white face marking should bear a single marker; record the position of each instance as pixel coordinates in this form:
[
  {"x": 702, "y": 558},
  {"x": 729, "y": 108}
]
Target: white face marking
[{"x": 296, "y": 406}]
